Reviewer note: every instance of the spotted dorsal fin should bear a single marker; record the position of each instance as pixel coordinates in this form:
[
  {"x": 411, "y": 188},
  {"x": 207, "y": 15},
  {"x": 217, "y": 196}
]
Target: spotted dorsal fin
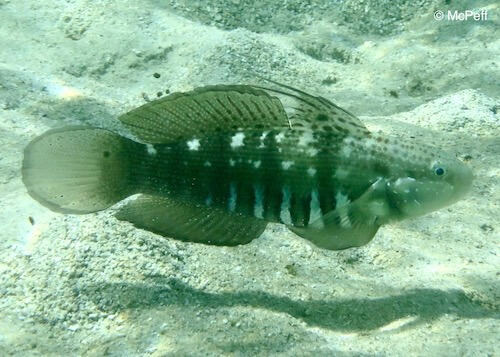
[
  {"x": 316, "y": 113},
  {"x": 204, "y": 110}
]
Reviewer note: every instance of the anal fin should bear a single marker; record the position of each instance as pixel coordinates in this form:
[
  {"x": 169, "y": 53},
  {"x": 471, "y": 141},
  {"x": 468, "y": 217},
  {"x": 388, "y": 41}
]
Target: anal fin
[{"x": 190, "y": 222}]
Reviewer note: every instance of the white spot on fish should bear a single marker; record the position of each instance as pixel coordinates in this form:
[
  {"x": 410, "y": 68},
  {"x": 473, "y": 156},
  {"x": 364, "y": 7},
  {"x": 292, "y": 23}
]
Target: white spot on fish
[
  {"x": 433, "y": 164},
  {"x": 262, "y": 138},
  {"x": 237, "y": 140},
  {"x": 369, "y": 143},
  {"x": 279, "y": 138},
  {"x": 256, "y": 164},
  {"x": 312, "y": 151},
  {"x": 258, "y": 209},
  {"x": 287, "y": 164},
  {"x": 349, "y": 140},
  {"x": 315, "y": 213},
  {"x": 207, "y": 164},
  {"x": 193, "y": 145},
  {"x": 347, "y": 148},
  {"x": 346, "y": 151},
  {"x": 208, "y": 200},
  {"x": 232, "y": 162},
  {"x": 341, "y": 199},
  {"x": 306, "y": 138},
  {"x": 285, "y": 216},
  {"x": 341, "y": 174},
  {"x": 311, "y": 171},
  {"x": 151, "y": 149},
  {"x": 401, "y": 181},
  {"x": 233, "y": 195}
]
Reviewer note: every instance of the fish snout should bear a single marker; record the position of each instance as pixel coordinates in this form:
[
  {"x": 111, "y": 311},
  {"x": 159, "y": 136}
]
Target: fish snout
[{"x": 461, "y": 181}]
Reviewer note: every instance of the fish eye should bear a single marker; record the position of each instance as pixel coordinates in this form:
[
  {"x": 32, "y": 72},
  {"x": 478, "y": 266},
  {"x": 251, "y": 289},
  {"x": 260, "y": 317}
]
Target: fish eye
[{"x": 439, "y": 171}]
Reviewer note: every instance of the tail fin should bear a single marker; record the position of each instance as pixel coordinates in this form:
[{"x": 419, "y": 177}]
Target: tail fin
[{"x": 80, "y": 169}]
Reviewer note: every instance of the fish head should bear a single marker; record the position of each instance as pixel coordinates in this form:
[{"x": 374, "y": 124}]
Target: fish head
[{"x": 438, "y": 180}]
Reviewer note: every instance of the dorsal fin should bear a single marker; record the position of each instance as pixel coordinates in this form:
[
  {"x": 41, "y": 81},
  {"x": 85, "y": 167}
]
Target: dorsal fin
[
  {"x": 203, "y": 110},
  {"x": 306, "y": 110}
]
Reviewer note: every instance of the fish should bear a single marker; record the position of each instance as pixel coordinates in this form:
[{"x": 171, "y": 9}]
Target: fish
[{"x": 216, "y": 164}]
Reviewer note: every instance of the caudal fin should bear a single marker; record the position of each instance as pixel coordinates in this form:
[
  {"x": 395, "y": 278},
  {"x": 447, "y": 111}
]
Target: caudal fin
[{"x": 80, "y": 169}]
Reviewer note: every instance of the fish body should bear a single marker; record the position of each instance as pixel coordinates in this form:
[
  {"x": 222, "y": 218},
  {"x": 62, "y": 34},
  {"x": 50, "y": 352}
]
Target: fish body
[{"x": 215, "y": 165}]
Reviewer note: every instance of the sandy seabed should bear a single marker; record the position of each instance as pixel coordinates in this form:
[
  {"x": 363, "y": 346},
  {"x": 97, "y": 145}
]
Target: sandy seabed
[{"x": 92, "y": 285}]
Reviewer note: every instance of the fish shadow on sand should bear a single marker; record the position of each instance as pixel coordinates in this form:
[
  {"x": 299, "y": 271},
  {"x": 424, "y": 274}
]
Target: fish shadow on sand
[{"x": 354, "y": 315}]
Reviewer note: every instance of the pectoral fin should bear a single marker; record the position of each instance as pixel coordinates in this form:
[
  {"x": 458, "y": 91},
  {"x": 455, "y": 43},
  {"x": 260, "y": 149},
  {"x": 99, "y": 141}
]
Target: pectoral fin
[{"x": 351, "y": 225}]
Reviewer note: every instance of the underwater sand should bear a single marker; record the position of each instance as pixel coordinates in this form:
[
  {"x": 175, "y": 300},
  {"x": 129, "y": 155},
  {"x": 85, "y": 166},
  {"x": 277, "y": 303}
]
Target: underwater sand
[{"x": 92, "y": 285}]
